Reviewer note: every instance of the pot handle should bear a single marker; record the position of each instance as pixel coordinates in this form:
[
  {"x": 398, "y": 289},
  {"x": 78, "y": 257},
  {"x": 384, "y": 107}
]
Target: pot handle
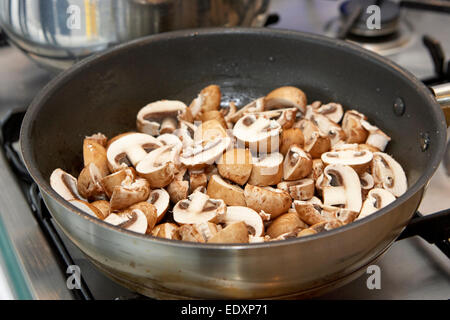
[
  {"x": 442, "y": 94},
  {"x": 434, "y": 228}
]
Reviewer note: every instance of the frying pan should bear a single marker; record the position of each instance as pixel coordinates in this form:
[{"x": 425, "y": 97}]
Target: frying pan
[{"x": 104, "y": 93}]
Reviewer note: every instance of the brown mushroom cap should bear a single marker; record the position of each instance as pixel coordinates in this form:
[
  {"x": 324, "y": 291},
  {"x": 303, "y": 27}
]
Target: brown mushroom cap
[
  {"x": 233, "y": 233},
  {"x": 289, "y": 137},
  {"x": 285, "y": 97},
  {"x": 88, "y": 208},
  {"x": 207, "y": 100},
  {"x": 166, "y": 230},
  {"x": 286, "y": 223},
  {"x": 160, "y": 199},
  {"x": 267, "y": 199},
  {"x": 377, "y": 138},
  {"x": 351, "y": 124},
  {"x": 231, "y": 194},
  {"x": 209, "y": 131},
  {"x": 88, "y": 183},
  {"x": 316, "y": 142},
  {"x": 316, "y": 213},
  {"x": 302, "y": 189},
  {"x": 389, "y": 174},
  {"x": 236, "y": 165},
  {"x": 251, "y": 218},
  {"x": 332, "y": 110},
  {"x": 129, "y": 193},
  {"x": 256, "y": 105},
  {"x": 94, "y": 152},
  {"x": 65, "y": 185},
  {"x": 297, "y": 164},
  {"x": 267, "y": 169},
  {"x": 376, "y": 199}
]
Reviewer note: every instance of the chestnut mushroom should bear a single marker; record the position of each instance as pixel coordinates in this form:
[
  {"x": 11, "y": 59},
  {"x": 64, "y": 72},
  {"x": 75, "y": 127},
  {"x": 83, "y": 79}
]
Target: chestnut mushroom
[
  {"x": 236, "y": 165},
  {"x": 285, "y": 97},
  {"x": 376, "y": 199},
  {"x": 270, "y": 200},
  {"x": 199, "y": 208},
  {"x": 388, "y": 174},
  {"x": 65, "y": 185},
  {"x": 297, "y": 164},
  {"x": 231, "y": 194},
  {"x": 267, "y": 170}
]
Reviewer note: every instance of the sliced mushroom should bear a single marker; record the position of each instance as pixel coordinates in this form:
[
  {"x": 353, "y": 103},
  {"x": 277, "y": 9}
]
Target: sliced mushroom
[
  {"x": 65, "y": 185},
  {"x": 328, "y": 128},
  {"x": 159, "y": 166},
  {"x": 367, "y": 183},
  {"x": 359, "y": 160},
  {"x": 129, "y": 149},
  {"x": 342, "y": 187},
  {"x": 258, "y": 133},
  {"x": 316, "y": 142},
  {"x": 88, "y": 183},
  {"x": 332, "y": 110},
  {"x": 289, "y": 137},
  {"x": 207, "y": 100},
  {"x": 388, "y": 174},
  {"x": 297, "y": 164},
  {"x": 149, "y": 211},
  {"x": 103, "y": 206},
  {"x": 267, "y": 170},
  {"x": 214, "y": 115},
  {"x": 169, "y": 139},
  {"x": 251, "y": 218},
  {"x": 124, "y": 176},
  {"x": 270, "y": 200},
  {"x": 209, "y": 131},
  {"x": 285, "y": 117},
  {"x": 200, "y": 232},
  {"x": 286, "y": 223},
  {"x": 233, "y": 233},
  {"x": 200, "y": 155},
  {"x": 351, "y": 124},
  {"x": 306, "y": 232},
  {"x": 298, "y": 189},
  {"x": 178, "y": 189},
  {"x": 254, "y": 106},
  {"x": 94, "y": 151},
  {"x": 326, "y": 225},
  {"x": 376, "y": 199},
  {"x": 88, "y": 208},
  {"x": 231, "y": 194},
  {"x": 285, "y": 97},
  {"x": 160, "y": 117},
  {"x": 316, "y": 213},
  {"x": 377, "y": 138},
  {"x": 167, "y": 231},
  {"x": 134, "y": 221},
  {"x": 197, "y": 178},
  {"x": 186, "y": 133},
  {"x": 317, "y": 169},
  {"x": 199, "y": 208},
  {"x": 236, "y": 165},
  {"x": 160, "y": 199},
  {"x": 129, "y": 193}
]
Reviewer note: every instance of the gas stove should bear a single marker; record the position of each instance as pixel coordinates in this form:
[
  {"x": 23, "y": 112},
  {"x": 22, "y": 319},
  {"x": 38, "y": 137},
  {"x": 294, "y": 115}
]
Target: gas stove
[{"x": 35, "y": 254}]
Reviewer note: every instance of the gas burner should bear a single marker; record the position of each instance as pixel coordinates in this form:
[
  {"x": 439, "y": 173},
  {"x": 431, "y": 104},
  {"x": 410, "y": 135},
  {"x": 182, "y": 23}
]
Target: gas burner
[
  {"x": 394, "y": 35},
  {"x": 389, "y": 17}
]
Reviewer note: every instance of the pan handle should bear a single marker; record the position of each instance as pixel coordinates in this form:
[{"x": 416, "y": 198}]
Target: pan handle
[{"x": 442, "y": 94}]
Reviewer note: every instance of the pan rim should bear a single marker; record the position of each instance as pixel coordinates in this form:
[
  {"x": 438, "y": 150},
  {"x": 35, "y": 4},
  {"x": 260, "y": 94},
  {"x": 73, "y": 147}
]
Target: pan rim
[{"x": 40, "y": 99}]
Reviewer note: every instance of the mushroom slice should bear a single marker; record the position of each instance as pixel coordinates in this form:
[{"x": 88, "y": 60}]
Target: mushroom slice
[
  {"x": 199, "y": 208},
  {"x": 200, "y": 155},
  {"x": 178, "y": 189},
  {"x": 103, "y": 206},
  {"x": 233, "y": 233},
  {"x": 326, "y": 225},
  {"x": 285, "y": 117},
  {"x": 376, "y": 138},
  {"x": 167, "y": 231},
  {"x": 298, "y": 189},
  {"x": 270, "y": 200},
  {"x": 209, "y": 131},
  {"x": 286, "y": 223},
  {"x": 158, "y": 166},
  {"x": 316, "y": 142},
  {"x": 65, "y": 185},
  {"x": 254, "y": 106},
  {"x": 328, "y": 128},
  {"x": 367, "y": 183},
  {"x": 186, "y": 133},
  {"x": 124, "y": 176},
  {"x": 306, "y": 232},
  {"x": 207, "y": 100},
  {"x": 332, "y": 111},
  {"x": 149, "y": 211},
  {"x": 197, "y": 179},
  {"x": 251, "y": 218},
  {"x": 389, "y": 174},
  {"x": 129, "y": 193},
  {"x": 267, "y": 170},
  {"x": 94, "y": 151},
  {"x": 258, "y": 133},
  {"x": 160, "y": 199},
  {"x": 160, "y": 117},
  {"x": 169, "y": 139},
  {"x": 317, "y": 169},
  {"x": 297, "y": 164},
  {"x": 289, "y": 137},
  {"x": 376, "y": 199},
  {"x": 315, "y": 213},
  {"x": 214, "y": 115},
  {"x": 236, "y": 165},
  {"x": 231, "y": 194},
  {"x": 134, "y": 221},
  {"x": 129, "y": 149},
  {"x": 88, "y": 208},
  {"x": 89, "y": 185},
  {"x": 359, "y": 160},
  {"x": 351, "y": 124},
  {"x": 285, "y": 97},
  {"x": 200, "y": 232},
  {"x": 342, "y": 187}
]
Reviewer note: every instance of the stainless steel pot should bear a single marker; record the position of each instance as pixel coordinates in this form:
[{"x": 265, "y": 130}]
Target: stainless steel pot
[{"x": 58, "y": 33}]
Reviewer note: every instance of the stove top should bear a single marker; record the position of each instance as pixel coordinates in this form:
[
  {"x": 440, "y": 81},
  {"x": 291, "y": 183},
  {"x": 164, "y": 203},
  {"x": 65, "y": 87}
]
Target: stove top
[{"x": 410, "y": 269}]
